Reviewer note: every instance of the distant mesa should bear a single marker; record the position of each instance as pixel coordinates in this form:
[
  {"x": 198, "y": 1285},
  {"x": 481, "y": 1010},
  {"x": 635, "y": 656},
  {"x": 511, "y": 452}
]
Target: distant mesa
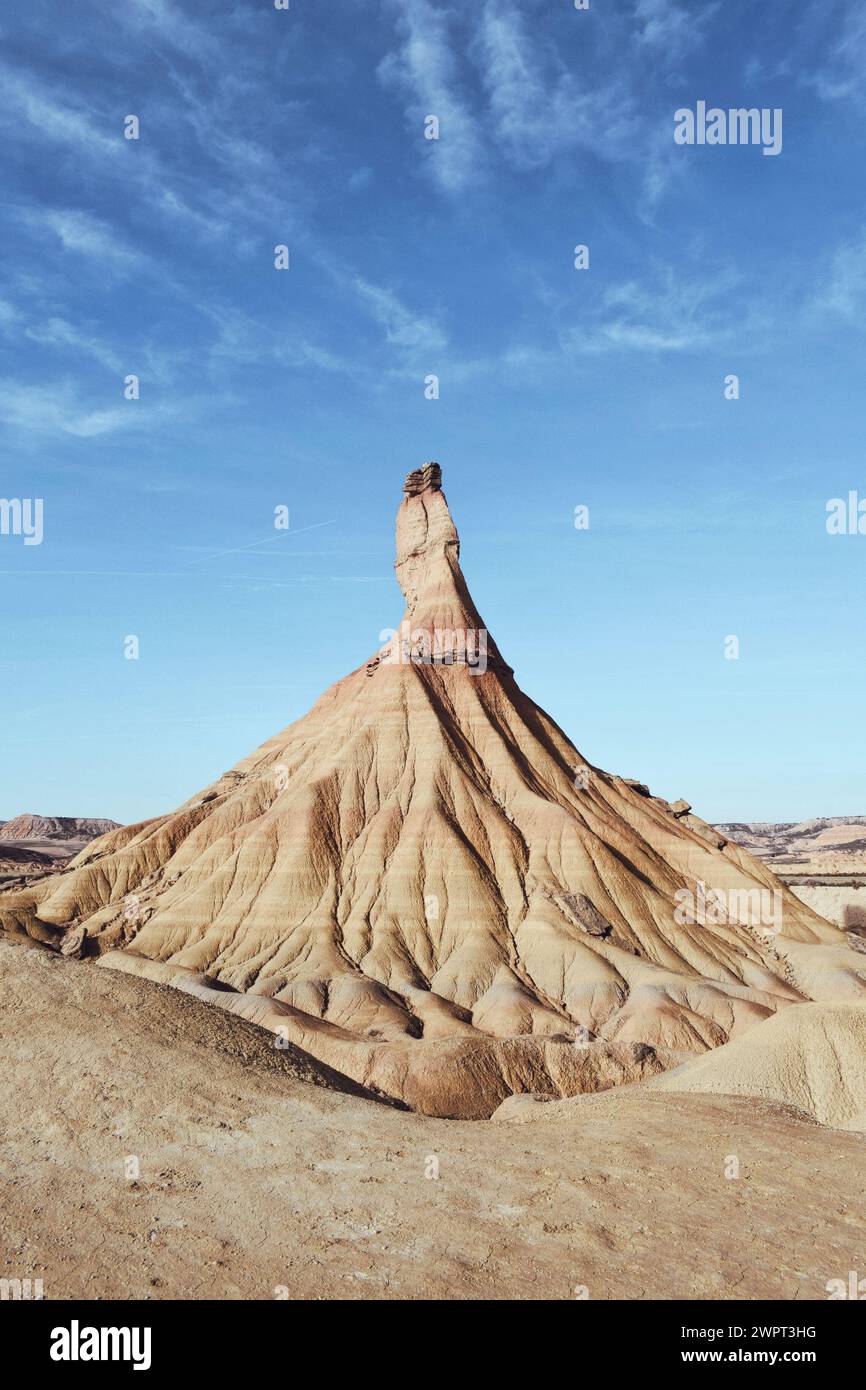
[
  {"x": 822, "y": 860},
  {"x": 32, "y": 845},
  {"x": 30, "y": 827}
]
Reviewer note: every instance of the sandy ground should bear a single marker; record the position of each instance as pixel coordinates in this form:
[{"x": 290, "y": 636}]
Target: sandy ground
[{"x": 255, "y": 1183}]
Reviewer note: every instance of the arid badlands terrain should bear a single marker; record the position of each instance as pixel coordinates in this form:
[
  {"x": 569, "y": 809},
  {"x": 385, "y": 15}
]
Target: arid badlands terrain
[
  {"x": 40, "y": 844},
  {"x": 415, "y": 1001},
  {"x": 254, "y": 1181},
  {"x": 823, "y": 862}
]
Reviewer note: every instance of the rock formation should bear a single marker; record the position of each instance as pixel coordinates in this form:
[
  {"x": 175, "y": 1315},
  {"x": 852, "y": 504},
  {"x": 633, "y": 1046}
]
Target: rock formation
[
  {"x": 29, "y": 827},
  {"x": 426, "y": 886},
  {"x": 33, "y": 845}
]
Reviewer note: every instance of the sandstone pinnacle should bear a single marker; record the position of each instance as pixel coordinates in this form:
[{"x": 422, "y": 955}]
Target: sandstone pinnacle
[{"x": 425, "y": 885}]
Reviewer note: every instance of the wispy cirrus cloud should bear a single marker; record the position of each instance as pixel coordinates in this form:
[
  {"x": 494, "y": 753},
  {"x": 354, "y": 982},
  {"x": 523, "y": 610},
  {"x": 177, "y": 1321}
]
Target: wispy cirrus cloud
[
  {"x": 841, "y": 72},
  {"x": 538, "y": 107},
  {"x": 51, "y": 117},
  {"x": 508, "y": 94},
  {"x": 169, "y": 24},
  {"x": 403, "y": 328},
  {"x": 61, "y": 409},
  {"x": 669, "y": 28},
  {"x": 844, "y": 296},
  {"x": 204, "y": 193},
  {"x": 56, "y": 410},
  {"x": 424, "y": 68},
  {"x": 58, "y": 333},
  {"x": 27, "y": 321},
  {"x": 669, "y": 311},
  {"x": 672, "y": 311},
  {"x": 86, "y": 235},
  {"x": 239, "y": 338}
]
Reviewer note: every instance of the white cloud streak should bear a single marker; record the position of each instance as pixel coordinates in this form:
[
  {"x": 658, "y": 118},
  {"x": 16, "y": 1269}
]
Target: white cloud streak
[
  {"x": 845, "y": 294},
  {"x": 85, "y": 235},
  {"x": 55, "y": 410},
  {"x": 424, "y": 68},
  {"x": 403, "y": 328},
  {"x": 669, "y": 29},
  {"x": 539, "y": 108}
]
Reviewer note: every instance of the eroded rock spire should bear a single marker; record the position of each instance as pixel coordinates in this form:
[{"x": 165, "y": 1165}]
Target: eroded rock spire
[{"x": 440, "y": 612}]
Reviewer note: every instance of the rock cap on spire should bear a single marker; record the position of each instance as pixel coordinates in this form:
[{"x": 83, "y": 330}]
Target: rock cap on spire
[{"x": 429, "y": 475}]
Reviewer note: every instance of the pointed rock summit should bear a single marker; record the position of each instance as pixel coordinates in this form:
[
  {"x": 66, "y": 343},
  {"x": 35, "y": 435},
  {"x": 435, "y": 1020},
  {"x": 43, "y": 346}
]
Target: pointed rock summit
[
  {"x": 441, "y": 623},
  {"x": 426, "y": 886}
]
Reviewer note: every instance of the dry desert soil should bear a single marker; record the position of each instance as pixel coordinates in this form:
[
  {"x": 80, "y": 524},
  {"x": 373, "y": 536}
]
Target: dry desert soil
[{"x": 261, "y": 1175}]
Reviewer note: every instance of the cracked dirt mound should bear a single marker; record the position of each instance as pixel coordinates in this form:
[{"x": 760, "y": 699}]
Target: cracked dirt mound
[
  {"x": 812, "y": 1057},
  {"x": 424, "y": 884},
  {"x": 41, "y": 992},
  {"x": 810, "y": 1060}
]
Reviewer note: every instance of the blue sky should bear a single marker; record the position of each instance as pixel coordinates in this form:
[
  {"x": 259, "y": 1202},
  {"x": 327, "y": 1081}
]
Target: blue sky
[{"x": 558, "y": 387}]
